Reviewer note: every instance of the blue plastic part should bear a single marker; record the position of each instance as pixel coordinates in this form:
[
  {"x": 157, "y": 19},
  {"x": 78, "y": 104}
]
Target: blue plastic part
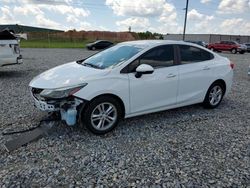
[{"x": 69, "y": 116}]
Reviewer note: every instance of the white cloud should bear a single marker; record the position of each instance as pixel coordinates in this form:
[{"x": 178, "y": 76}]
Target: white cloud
[
  {"x": 8, "y": 1},
  {"x": 137, "y": 8},
  {"x": 37, "y": 9},
  {"x": 137, "y": 24},
  {"x": 85, "y": 26},
  {"x": 233, "y": 26},
  {"x": 47, "y": 2},
  {"x": 72, "y": 19},
  {"x": 199, "y": 23},
  {"x": 27, "y": 10},
  {"x": 45, "y": 22},
  {"x": 194, "y": 15},
  {"x": 168, "y": 14},
  {"x": 67, "y": 10},
  {"x": 168, "y": 21},
  {"x": 233, "y": 6},
  {"x": 7, "y": 16},
  {"x": 205, "y": 1}
]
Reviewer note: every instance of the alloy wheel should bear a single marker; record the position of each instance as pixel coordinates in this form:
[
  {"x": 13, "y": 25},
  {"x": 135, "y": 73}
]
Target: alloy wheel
[
  {"x": 104, "y": 116},
  {"x": 215, "y": 95}
]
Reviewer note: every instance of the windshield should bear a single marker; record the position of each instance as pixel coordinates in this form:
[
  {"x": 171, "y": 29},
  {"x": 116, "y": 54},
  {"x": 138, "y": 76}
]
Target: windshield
[{"x": 112, "y": 56}]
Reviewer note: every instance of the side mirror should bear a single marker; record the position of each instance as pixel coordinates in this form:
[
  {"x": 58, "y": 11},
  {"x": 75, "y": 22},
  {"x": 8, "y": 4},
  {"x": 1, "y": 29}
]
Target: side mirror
[{"x": 143, "y": 69}]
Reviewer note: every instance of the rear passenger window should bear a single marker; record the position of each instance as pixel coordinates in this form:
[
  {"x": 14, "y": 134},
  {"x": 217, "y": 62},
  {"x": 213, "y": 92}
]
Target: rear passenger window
[
  {"x": 190, "y": 54},
  {"x": 162, "y": 56}
]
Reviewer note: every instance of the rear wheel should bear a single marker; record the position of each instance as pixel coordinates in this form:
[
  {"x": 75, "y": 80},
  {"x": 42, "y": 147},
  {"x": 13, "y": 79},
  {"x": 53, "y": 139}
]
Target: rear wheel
[
  {"x": 214, "y": 95},
  {"x": 234, "y": 51},
  {"x": 101, "y": 115}
]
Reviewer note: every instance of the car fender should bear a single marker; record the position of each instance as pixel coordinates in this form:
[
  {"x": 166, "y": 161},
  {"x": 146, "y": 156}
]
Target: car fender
[
  {"x": 118, "y": 86},
  {"x": 223, "y": 71}
]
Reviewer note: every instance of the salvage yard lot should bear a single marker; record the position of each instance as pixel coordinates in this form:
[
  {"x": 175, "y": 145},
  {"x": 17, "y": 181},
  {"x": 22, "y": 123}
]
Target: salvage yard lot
[{"x": 189, "y": 146}]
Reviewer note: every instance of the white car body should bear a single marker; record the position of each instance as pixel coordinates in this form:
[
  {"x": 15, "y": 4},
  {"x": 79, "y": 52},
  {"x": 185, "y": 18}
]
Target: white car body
[
  {"x": 9, "y": 52},
  {"x": 166, "y": 88}
]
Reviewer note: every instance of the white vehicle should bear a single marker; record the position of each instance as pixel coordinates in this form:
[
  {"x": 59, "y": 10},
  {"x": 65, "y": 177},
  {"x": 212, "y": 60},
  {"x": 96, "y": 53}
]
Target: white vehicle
[
  {"x": 131, "y": 79},
  {"x": 9, "y": 49}
]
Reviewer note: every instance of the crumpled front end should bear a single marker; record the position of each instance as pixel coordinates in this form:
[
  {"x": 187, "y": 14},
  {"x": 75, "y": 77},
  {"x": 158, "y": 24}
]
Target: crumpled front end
[{"x": 68, "y": 107}]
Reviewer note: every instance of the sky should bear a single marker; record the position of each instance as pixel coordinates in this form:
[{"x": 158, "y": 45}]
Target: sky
[{"x": 161, "y": 16}]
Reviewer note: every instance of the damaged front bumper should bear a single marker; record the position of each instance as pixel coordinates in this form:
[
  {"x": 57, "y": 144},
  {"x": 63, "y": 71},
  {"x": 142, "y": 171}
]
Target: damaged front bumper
[{"x": 67, "y": 107}]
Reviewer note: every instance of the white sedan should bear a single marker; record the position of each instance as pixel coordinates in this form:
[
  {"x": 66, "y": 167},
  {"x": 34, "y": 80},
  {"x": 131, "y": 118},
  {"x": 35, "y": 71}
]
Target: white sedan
[{"x": 131, "y": 79}]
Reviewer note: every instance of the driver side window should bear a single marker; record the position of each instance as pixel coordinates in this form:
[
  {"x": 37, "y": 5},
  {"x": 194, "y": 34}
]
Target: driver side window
[{"x": 159, "y": 57}]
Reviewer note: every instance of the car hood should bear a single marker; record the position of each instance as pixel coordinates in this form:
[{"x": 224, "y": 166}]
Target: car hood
[{"x": 67, "y": 75}]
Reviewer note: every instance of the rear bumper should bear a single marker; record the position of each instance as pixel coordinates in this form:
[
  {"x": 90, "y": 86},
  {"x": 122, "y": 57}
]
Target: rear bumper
[{"x": 11, "y": 61}]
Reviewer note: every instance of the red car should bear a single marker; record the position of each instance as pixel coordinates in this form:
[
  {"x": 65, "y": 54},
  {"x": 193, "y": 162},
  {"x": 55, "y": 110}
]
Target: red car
[{"x": 232, "y": 46}]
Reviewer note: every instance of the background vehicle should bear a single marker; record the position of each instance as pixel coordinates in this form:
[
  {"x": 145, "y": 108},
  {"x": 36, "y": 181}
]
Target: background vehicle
[
  {"x": 201, "y": 43},
  {"x": 248, "y": 46},
  {"x": 130, "y": 79},
  {"x": 232, "y": 46},
  {"x": 99, "y": 44},
  {"x": 9, "y": 49}
]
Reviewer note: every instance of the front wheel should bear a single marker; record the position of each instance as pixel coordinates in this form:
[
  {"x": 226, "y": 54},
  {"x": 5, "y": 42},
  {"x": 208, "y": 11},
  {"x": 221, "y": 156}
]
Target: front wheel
[
  {"x": 234, "y": 51},
  {"x": 101, "y": 115},
  {"x": 214, "y": 95}
]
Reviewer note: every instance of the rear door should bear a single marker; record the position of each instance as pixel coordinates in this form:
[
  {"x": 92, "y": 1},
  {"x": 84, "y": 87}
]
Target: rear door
[
  {"x": 227, "y": 46},
  {"x": 195, "y": 74},
  {"x": 100, "y": 45},
  {"x": 156, "y": 90},
  {"x": 222, "y": 45}
]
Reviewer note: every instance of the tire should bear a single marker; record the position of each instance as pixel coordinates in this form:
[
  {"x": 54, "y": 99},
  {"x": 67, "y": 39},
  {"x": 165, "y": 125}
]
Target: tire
[
  {"x": 93, "y": 48},
  {"x": 214, "y": 95},
  {"x": 101, "y": 115},
  {"x": 213, "y": 49},
  {"x": 234, "y": 51}
]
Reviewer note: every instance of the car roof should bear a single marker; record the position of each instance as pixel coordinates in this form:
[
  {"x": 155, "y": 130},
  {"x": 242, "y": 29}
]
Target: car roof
[
  {"x": 148, "y": 43},
  {"x": 102, "y": 41}
]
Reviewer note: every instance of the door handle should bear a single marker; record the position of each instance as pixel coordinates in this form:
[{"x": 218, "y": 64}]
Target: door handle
[
  {"x": 206, "y": 68},
  {"x": 171, "y": 75}
]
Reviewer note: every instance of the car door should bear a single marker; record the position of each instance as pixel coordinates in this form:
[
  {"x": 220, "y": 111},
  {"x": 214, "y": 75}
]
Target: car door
[
  {"x": 195, "y": 74},
  {"x": 156, "y": 90},
  {"x": 225, "y": 46},
  {"x": 221, "y": 45},
  {"x": 98, "y": 45}
]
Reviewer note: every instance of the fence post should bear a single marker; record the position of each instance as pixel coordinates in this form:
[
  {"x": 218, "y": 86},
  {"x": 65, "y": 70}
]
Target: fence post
[{"x": 48, "y": 39}]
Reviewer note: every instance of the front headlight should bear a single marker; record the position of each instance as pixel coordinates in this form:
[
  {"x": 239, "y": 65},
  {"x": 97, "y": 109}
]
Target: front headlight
[{"x": 61, "y": 92}]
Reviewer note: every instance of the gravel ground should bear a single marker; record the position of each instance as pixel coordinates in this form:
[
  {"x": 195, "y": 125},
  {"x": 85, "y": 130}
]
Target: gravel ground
[{"x": 185, "y": 147}]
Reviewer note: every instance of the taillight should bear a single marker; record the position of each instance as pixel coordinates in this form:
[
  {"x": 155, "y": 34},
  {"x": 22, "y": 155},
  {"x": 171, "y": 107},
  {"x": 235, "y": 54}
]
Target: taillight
[{"x": 231, "y": 65}]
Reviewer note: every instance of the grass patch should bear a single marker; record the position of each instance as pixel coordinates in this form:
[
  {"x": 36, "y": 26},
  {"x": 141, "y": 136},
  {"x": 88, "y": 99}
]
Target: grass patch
[{"x": 52, "y": 44}]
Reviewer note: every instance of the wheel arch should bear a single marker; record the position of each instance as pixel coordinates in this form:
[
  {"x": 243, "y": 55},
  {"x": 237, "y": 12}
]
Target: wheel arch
[
  {"x": 222, "y": 82},
  {"x": 113, "y": 96}
]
